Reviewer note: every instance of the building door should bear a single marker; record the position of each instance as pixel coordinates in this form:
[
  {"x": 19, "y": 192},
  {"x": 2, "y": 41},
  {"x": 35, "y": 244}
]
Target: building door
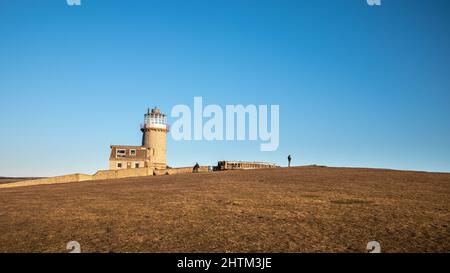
[{"x": 128, "y": 165}]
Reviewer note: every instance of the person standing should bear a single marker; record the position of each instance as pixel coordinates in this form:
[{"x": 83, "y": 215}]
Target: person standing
[
  {"x": 196, "y": 167},
  {"x": 289, "y": 161}
]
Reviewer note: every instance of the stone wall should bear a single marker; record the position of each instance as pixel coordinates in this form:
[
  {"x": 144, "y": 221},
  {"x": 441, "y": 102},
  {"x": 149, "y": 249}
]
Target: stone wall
[
  {"x": 50, "y": 180},
  {"x": 114, "y": 174},
  {"x": 202, "y": 169},
  {"x": 102, "y": 175}
]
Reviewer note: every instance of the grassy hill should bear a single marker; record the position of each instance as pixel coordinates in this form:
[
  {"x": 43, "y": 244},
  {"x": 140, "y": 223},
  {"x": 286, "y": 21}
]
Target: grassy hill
[{"x": 304, "y": 209}]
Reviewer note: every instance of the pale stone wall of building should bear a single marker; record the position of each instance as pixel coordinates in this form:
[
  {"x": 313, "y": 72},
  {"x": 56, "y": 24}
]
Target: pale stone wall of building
[
  {"x": 155, "y": 140},
  {"x": 113, "y": 164},
  {"x": 114, "y": 174}
]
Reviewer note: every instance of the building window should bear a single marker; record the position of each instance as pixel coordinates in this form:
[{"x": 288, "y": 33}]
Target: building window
[
  {"x": 136, "y": 165},
  {"x": 119, "y": 165},
  {"x": 133, "y": 152},
  {"x": 121, "y": 153}
]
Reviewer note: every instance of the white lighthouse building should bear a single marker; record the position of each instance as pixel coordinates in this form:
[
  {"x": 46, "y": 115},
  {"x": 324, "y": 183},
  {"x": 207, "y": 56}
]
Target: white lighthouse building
[{"x": 152, "y": 152}]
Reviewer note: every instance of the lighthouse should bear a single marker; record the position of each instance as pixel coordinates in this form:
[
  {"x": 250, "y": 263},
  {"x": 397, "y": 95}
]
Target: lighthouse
[
  {"x": 154, "y": 138},
  {"x": 152, "y": 152}
]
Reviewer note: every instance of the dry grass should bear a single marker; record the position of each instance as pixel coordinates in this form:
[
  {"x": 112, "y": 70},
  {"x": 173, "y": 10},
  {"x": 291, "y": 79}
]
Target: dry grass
[{"x": 307, "y": 209}]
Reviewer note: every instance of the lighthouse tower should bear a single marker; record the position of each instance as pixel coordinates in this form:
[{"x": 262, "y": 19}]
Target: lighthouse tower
[{"x": 154, "y": 138}]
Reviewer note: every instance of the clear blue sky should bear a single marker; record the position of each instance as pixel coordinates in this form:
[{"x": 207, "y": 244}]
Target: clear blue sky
[{"x": 356, "y": 85}]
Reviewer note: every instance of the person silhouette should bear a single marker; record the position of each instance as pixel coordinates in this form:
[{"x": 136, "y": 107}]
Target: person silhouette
[
  {"x": 196, "y": 167},
  {"x": 289, "y": 161}
]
